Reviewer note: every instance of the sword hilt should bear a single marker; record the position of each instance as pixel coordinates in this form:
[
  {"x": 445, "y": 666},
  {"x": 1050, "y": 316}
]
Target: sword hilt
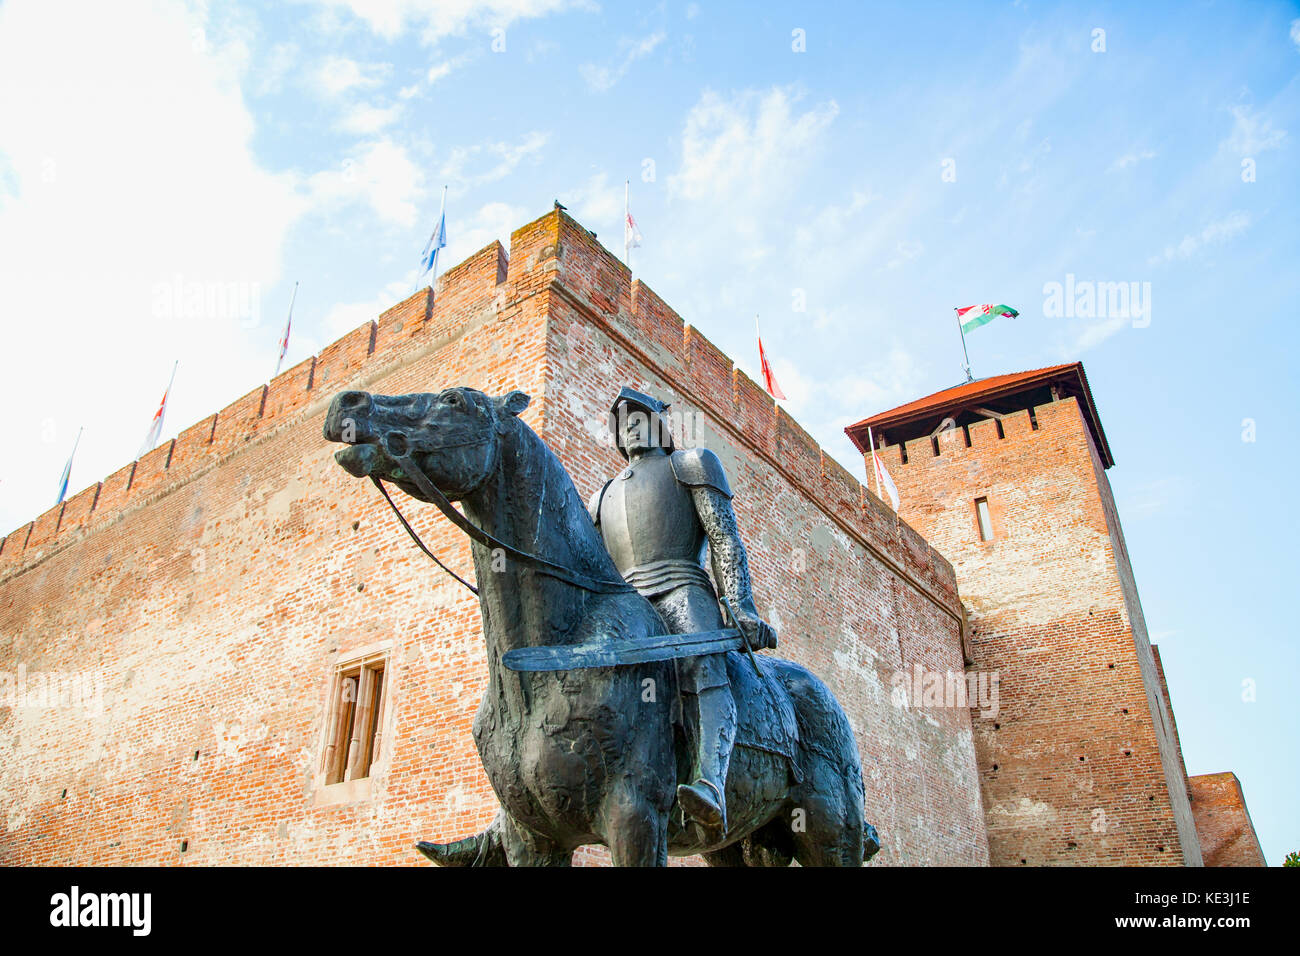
[{"x": 744, "y": 638}]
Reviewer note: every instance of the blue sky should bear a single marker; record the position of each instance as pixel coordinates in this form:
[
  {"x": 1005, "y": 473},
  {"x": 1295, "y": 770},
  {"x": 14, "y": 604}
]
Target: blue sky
[{"x": 153, "y": 147}]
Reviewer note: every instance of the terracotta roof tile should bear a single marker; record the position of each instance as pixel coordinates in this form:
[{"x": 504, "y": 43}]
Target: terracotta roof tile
[{"x": 967, "y": 392}]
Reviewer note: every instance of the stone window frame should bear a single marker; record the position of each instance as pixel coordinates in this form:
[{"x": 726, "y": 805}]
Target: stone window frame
[{"x": 347, "y": 777}]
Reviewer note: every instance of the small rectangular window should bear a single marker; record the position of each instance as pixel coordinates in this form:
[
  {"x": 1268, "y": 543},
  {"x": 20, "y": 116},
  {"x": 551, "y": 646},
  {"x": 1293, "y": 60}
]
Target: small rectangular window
[
  {"x": 985, "y": 522},
  {"x": 356, "y": 718}
]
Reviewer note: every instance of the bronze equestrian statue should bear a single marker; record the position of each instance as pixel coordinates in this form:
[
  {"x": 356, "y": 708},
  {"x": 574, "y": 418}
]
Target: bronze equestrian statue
[{"x": 581, "y": 729}]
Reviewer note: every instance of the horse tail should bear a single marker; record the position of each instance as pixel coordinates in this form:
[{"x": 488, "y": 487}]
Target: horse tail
[
  {"x": 870, "y": 841},
  {"x": 485, "y": 849}
]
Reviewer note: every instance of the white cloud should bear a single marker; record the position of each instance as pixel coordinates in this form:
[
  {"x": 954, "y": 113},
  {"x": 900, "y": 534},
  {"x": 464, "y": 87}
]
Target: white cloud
[
  {"x": 906, "y": 251},
  {"x": 337, "y": 75},
  {"x": 1295, "y": 33},
  {"x": 379, "y": 173},
  {"x": 1251, "y": 134},
  {"x": 120, "y": 184},
  {"x": 597, "y": 202},
  {"x": 602, "y": 78},
  {"x": 746, "y": 143},
  {"x": 1214, "y": 234},
  {"x": 504, "y": 157},
  {"x": 390, "y": 19},
  {"x": 366, "y": 120},
  {"x": 1131, "y": 159}
]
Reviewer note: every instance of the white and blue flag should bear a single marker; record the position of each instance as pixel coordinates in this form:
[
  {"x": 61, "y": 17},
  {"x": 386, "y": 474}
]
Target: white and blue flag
[
  {"x": 429, "y": 259},
  {"x": 67, "y": 470}
]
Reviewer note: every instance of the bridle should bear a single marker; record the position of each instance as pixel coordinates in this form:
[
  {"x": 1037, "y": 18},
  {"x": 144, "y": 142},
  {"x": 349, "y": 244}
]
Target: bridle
[{"x": 539, "y": 564}]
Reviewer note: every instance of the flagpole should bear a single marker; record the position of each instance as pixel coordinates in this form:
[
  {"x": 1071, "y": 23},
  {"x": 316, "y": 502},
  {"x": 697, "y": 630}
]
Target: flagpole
[
  {"x": 871, "y": 442},
  {"x": 627, "y": 212},
  {"x": 957, "y": 316},
  {"x": 284, "y": 342},
  {"x": 171, "y": 380}
]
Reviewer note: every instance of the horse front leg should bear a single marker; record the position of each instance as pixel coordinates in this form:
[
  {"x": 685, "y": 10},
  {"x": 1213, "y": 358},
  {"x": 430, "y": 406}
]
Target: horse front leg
[
  {"x": 526, "y": 847},
  {"x": 635, "y": 830}
]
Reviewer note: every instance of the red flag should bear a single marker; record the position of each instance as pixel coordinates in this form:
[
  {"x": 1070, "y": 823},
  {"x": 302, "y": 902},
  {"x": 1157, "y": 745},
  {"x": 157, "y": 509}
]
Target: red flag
[{"x": 769, "y": 380}]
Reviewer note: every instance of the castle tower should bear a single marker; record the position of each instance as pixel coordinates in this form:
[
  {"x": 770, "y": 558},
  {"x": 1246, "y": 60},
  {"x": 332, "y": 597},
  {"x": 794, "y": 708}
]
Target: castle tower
[{"x": 1006, "y": 477}]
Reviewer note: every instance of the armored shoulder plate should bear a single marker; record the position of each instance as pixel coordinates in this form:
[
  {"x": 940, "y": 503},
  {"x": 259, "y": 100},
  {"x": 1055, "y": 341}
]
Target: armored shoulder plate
[
  {"x": 593, "y": 504},
  {"x": 699, "y": 467}
]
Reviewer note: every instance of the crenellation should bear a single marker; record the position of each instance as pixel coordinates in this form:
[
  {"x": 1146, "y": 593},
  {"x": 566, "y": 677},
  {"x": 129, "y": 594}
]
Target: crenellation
[
  {"x": 400, "y": 322},
  {"x": 797, "y": 452},
  {"x": 656, "y": 328},
  {"x": 1016, "y": 425},
  {"x": 193, "y": 448},
  {"x": 839, "y": 490},
  {"x": 79, "y": 508},
  {"x": 11, "y": 555},
  {"x": 534, "y": 257},
  {"x": 914, "y": 548},
  {"x": 113, "y": 492},
  {"x": 708, "y": 371},
  {"x": 983, "y": 433},
  {"x": 755, "y": 412},
  {"x": 920, "y": 451},
  {"x": 878, "y": 523},
  {"x": 44, "y": 528},
  {"x": 236, "y": 422},
  {"x": 151, "y": 469},
  {"x": 340, "y": 361},
  {"x": 285, "y": 394},
  {"x": 590, "y": 272}
]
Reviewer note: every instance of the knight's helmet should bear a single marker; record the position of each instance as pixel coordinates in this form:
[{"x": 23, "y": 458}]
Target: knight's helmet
[{"x": 630, "y": 402}]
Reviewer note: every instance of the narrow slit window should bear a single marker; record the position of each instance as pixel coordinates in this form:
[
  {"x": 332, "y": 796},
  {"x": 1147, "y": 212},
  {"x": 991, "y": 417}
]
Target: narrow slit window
[
  {"x": 985, "y": 522},
  {"x": 356, "y": 721}
]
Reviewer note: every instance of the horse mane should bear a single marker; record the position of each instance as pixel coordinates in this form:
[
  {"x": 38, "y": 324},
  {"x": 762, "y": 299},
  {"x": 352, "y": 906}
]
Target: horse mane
[{"x": 561, "y": 509}]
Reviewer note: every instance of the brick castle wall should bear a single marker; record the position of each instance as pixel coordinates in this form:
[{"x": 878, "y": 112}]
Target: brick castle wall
[
  {"x": 1223, "y": 825},
  {"x": 1080, "y": 765},
  {"x": 211, "y": 586}
]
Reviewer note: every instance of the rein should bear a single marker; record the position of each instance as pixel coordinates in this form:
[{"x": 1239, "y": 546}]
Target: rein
[{"x": 539, "y": 564}]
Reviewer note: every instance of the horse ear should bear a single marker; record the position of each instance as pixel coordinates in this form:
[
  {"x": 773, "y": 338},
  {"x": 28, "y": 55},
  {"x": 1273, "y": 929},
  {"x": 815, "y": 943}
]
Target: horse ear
[{"x": 514, "y": 403}]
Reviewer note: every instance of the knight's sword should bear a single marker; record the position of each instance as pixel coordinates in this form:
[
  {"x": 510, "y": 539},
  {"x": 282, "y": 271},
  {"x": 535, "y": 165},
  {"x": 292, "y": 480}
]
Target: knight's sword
[{"x": 616, "y": 653}]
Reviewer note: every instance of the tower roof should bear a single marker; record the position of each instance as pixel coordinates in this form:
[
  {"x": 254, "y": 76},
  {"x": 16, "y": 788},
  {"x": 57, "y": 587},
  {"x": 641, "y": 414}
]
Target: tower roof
[{"x": 999, "y": 393}]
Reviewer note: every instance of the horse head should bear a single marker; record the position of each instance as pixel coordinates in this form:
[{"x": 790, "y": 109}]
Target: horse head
[{"x": 452, "y": 436}]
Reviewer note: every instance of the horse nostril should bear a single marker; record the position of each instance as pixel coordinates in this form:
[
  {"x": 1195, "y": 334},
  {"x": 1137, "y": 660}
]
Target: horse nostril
[
  {"x": 397, "y": 444},
  {"x": 354, "y": 399}
]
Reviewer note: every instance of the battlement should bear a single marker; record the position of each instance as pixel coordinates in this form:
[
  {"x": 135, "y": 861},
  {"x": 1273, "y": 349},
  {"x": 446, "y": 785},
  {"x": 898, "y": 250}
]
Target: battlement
[
  {"x": 464, "y": 293},
  {"x": 1058, "y": 421},
  {"x": 552, "y": 255}
]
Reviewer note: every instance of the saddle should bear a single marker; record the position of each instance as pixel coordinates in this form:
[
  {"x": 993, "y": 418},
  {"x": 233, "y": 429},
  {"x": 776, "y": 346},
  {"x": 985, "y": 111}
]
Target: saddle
[{"x": 764, "y": 715}]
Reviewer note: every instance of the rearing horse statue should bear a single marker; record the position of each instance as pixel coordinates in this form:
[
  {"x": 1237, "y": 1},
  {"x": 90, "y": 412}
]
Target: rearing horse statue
[{"x": 594, "y": 755}]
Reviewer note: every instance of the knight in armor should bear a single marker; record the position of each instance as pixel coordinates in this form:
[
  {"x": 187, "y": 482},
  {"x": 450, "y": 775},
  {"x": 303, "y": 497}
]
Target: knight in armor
[{"x": 656, "y": 517}]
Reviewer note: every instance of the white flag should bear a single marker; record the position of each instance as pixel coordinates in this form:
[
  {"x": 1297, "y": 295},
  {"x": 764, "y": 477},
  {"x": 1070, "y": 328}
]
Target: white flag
[
  {"x": 155, "y": 427},
  {"x": 882, "y": 478},
  {"x": 631, "y": 234}
]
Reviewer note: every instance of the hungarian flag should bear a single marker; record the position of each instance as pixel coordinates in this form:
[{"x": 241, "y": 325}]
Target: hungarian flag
[
  {"x": 769, "y": 380},
  {"x": 973, "y": 316},
  {"x": 155, "y": 427}
]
